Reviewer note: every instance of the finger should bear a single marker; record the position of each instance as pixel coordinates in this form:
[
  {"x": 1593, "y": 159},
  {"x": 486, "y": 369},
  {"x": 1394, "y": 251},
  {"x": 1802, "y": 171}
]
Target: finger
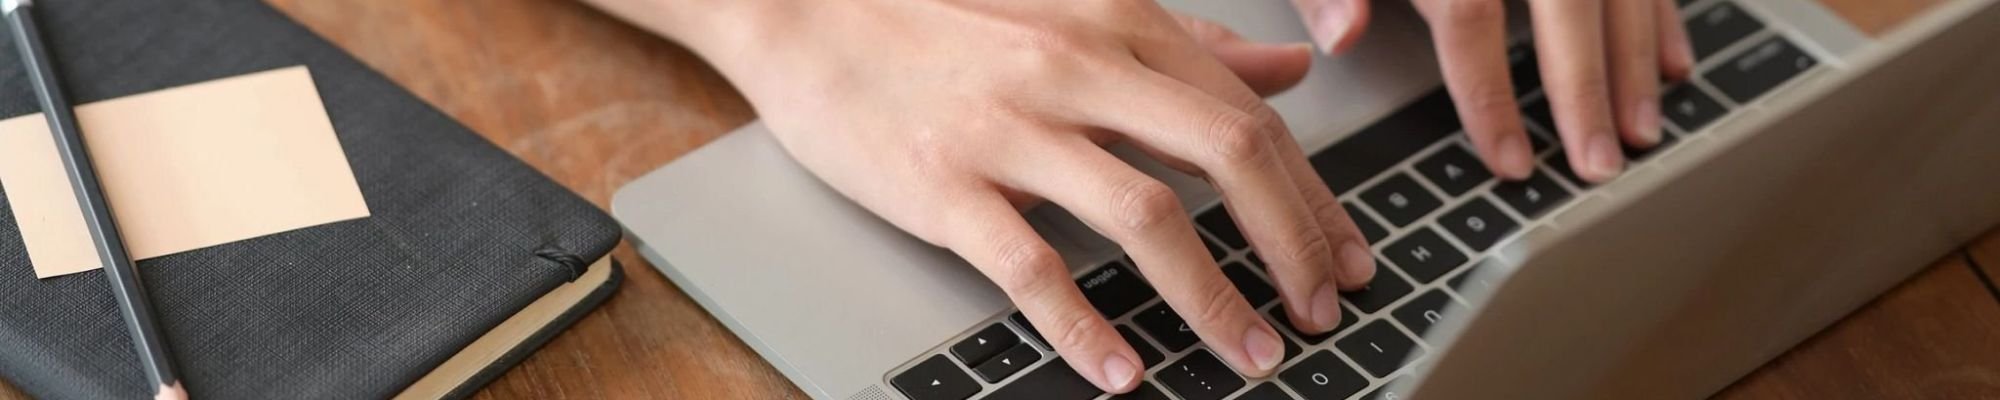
[
  {"x": 1570, "y": 37},
  {"x": 1334, "y": 24},
  {"x": 1145, "y": 218},
  {"x": 1267, "y": 68},
  {"x": 1471, "y": 41},
  {"x": 1311, "y": 243},
  {"x": 1676, "y": 54},
  {"x": 1302, "y": 278},
  {"x": 1632, "y": 54},
  {"x": 991, "y": 235}
]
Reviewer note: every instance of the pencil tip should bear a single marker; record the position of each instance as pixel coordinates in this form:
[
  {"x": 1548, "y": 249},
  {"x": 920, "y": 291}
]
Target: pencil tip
[{"x": 171, "y": 391}]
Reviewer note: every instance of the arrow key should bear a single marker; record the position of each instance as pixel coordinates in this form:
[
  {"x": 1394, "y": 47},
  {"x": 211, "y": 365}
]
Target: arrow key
[
  {"x": 1007, "y": 363},
  {"x": 935, "y": 379},
  {"x": 981, "y": 346},
  {"x": 1164, "y": 325}
]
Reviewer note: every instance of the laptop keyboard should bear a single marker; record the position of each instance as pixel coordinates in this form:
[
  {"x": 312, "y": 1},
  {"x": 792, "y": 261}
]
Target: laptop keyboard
[{"x": 1418, "y": 193}]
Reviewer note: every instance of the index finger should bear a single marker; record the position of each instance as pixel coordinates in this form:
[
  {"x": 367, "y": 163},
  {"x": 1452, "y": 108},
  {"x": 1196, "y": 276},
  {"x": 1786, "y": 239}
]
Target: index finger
[
  {"x": 1471, "y": 45},
  {"x": 1570, "y": 37},
  {"x": 997, "y": 241}
]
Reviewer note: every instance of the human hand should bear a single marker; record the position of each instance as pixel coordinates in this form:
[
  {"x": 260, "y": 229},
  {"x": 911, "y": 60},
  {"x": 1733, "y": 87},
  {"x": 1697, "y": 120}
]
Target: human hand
[
  {"x": 947, "y": 118},
  {"x": 1601, "y": 62}
]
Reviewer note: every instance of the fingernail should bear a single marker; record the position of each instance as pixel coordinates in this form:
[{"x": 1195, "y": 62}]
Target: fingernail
[
  {"x": 1647, "y": 115},
  {"x": 1357, "y": 267},
  {"x": 1517, "y": 158},
  {"x": 1262, "y": 345},
  {"x": 1326, "y": 307},
  {"x": 1118, "y": 371},
  {"x": 1606, "y": 159},
  {"x": 1330, "y": 23}
]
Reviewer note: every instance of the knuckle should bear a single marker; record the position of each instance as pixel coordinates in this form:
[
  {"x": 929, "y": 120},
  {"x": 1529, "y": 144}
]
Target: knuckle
[
  {"x": 1206, "y": 31},
  {"x": 1587, "y": 88},
  {"x": 1143, "y": 204},
  {"x": 1219, "y": 301},
  {"x": 1073, "y": 329},
  {"x": 1489, "y": 98},
  {"x": 1464, "y": 11},
  {"x": 1041, "y": 46},
  {"x": 1023, "y": 267},
  {"x": 929, "y": 147},
  {"x": 1328, "y": 211},
  {"x": 1306, "y": 246},
  {"x": 1237, "y": 138},
  {"x": 1118, "y": 8}
]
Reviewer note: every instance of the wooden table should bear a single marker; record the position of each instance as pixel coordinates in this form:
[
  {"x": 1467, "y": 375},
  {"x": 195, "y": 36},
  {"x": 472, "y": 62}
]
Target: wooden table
[{"x": 595, "y": 103}]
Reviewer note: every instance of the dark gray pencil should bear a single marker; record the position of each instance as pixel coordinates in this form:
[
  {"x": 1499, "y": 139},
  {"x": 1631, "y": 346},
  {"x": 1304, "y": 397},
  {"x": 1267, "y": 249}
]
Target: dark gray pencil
[{"x": 125, "y": 284}]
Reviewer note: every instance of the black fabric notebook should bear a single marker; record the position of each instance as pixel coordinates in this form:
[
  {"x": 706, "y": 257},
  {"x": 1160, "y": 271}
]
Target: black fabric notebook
[{"x": 463, "y": 236}]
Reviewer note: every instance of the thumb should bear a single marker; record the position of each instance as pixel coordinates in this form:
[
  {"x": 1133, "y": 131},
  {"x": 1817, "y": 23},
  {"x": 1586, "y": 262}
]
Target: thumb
[
  {"x": 1267, "y": 68},
  {"x": 1334, "y": 24}
]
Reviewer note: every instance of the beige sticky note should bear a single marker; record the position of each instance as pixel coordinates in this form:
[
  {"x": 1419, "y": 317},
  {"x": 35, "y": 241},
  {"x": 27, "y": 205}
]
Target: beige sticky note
[{"x": 184, "y": 168}]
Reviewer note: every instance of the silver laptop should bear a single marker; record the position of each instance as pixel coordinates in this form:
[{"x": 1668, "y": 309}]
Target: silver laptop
[{"x": 1808, "y": 168}]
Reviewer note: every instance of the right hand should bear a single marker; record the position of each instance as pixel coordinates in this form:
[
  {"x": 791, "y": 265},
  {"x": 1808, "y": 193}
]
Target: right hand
[
  {"x": 1601, "y": 63},
  {"x": 947, "y": 117}
]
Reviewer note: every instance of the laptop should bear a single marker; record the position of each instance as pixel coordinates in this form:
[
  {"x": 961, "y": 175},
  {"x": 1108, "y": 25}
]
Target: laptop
[{"x": 1808, "y": 167}]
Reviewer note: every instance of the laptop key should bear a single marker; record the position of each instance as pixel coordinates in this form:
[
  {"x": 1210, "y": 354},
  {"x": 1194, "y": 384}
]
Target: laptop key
[
  {"x": 1540, "y": 142},
  {"x": 1322, "y": 376},
  {"x": 1266, "y": 391},
  {"x": 1400, "y": 199},
  {"x": 1379, "y": 348},
  {"x": 985, "y": 344},
  {"x": 1423, "y": 312},
  {"x": 1213, "y": 250},
  {"x": 1690, "y": 108},
  {"x": 935, "y": 379},
  {"x": 1164, "y": 325},
  {"x": 1370, "y": 229},
  {"x": 1715, "y": 28},
  {"x": 1455, "y": 170},
  {"x": 1559, "y": 161},
  {"x": 1054, "y": 380},
  {"x": 1022, "y": 321},
  {"x": 1637, "y": 154},
  {"x": 1253, "y": 288},
  {"x": 1218, "y": 222},
  {"x": 1007, "y": 363},
  {"x": 1522, "y": 64},
  {"x": 1387, "y": 142},
  {"x": 1472, "y": 287},
  {"x": 1347, "y": 317},
  {"x": 1200, "y": 376},
  {"x": 1537, "y": 110},
  {"x": 1424, "y": 255},
  {"x": 1765, "y": 66},
  {"x": 1292, "y": 349},
  {"x": 1385, "y": 289},
  {"x": 1148, "y": 355},
  {"x": 1114, "y": 290},
  {"x": 1388, "y": 391},
  {"x": 1145, "y": 391},
  {"x": 1532, "y": 197},
  {"x": 1478, "y": 223}
]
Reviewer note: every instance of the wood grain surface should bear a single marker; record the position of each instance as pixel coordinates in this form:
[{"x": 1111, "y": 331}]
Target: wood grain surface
[
  {"x": 594, "y": 103},
  {"x": 1986, "y": 254}
]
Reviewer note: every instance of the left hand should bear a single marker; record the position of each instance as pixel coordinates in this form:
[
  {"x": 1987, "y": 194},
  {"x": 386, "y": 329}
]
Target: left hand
[{"x": 1601, "y": 64}]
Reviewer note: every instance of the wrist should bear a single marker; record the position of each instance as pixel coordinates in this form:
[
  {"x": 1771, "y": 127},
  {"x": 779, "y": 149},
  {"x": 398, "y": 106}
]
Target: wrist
[{"x": 717, "y": 30}]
